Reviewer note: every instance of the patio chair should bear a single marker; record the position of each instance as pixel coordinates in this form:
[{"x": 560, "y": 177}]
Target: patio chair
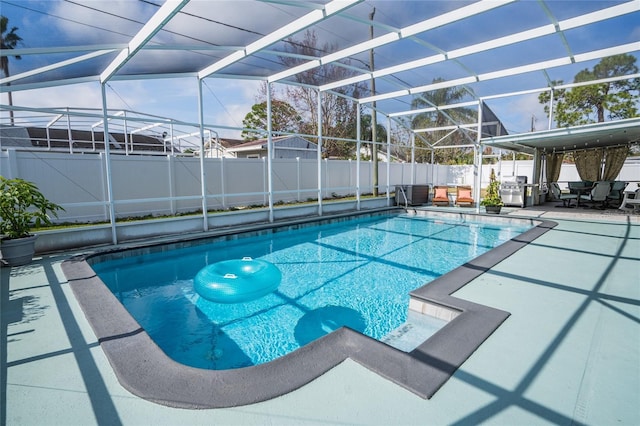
[
  {"x": 558, "y": 195},
  {"x": 463, "y": 196},
  {"x": 598, "y": 194},
  {"x": 617, "y": 192},
  {"x": 440, "y": 196},
  {"x": 573, "y": 185}
]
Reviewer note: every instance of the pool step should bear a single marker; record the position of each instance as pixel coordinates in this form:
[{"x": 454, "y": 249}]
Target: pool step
[{"x": 415, "y": 330}]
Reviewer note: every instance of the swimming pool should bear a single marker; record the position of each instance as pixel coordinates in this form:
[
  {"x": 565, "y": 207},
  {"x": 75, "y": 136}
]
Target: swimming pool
[{"x": 355, "y": 273}]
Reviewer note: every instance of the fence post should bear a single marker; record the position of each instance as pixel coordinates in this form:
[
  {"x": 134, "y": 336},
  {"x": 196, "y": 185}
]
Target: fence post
[
  {"x": 12, "y": 162},
  {"x": 298, "y": 177},
  {"x": 172, "y": 183},
  {"x": 222, "y": 183}
]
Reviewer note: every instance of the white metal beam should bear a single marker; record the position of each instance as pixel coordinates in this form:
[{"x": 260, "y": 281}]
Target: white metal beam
[
  {"x": 434, "y": 109},
  {"x": 280, "y": 34},
  {"x": 47, "y": 84},
  {"x": 453, "y": 127},
  {"x": 167, "y": 11},
  {"x": 60, "y": 49},
  {"x": 411, "y": 30},
  {"x": 533, "y": 33},
  {"x": 538, "y": 66},
  {"x": 54, "y": 66},
  {"x": 101, "y": 122}
]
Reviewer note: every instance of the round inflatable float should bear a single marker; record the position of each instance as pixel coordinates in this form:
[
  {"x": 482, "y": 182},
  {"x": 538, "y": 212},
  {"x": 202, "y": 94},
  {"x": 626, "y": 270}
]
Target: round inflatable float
[{"x": 241, "y": 280}]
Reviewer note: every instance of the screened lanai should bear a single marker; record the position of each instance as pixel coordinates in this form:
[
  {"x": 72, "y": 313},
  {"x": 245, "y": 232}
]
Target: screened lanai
[{"x": 385, "y": 58}]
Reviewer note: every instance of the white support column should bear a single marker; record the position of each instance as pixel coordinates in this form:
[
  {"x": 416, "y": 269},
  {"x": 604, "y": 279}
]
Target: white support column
[
  {"x": 550, "y": 125},
  {"x": 477, "y": 160},
  {"x": 358, "y": 146},
  {"x": 535, "y": 190},
  {"x": 388, "y": 159},
  {"x": 413, "y": 159},
  {"x": 269, "y": 153},
  {"x": 171, "y": 136},
  {"x": 70, "y": 133},
  {"x": 203, "y": 174},
  {"x": 126, "y": 136},
  {"x": 319, "y": 114},
  {"x": 107, "y": 167}
]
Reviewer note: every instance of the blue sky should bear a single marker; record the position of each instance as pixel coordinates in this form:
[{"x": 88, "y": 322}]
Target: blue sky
[{"x": 227, "y": 101}]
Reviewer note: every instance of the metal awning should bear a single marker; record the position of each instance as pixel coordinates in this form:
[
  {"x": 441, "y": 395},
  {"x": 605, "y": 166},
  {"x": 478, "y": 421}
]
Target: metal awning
[{"x": 597, "y": 135}]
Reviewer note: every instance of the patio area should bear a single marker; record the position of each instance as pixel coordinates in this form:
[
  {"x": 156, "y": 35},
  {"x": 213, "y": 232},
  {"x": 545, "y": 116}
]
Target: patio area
[{"x": 568, "y": 354}]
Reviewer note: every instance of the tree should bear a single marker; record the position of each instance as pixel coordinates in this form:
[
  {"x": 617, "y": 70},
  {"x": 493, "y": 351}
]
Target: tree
[
  {"x": 284, "y": 118},
  {"x": 338, "y": 114},
  {"x": 8, "y": 40},
  {"x": 365, "y": 132},
  {"x": 423, "y": 120},
  {"x": 596, "y": 102}
]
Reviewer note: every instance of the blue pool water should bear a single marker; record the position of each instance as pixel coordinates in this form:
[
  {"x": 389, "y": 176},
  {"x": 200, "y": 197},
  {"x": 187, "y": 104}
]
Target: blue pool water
[{"x": 356, "y": 273}]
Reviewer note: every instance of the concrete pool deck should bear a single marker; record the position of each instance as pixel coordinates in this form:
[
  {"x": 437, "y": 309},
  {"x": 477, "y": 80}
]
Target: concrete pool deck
[{"x": 569, "y": 352}]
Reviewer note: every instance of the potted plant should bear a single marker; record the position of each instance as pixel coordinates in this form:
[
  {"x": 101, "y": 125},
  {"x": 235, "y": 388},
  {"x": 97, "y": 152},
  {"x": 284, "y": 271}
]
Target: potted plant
[
  {"x": 22, "y": 206},
  {"x": 492, "y": 201}
]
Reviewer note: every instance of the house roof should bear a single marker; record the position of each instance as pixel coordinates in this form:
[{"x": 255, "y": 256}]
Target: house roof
[
  {"x": 230, "y": 143},
  {"x": 262, "y": 143}
]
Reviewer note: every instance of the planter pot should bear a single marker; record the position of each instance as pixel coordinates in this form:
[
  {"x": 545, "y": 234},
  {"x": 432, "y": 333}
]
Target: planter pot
[
  {"x": 493, "y": 209},
  {"x": 18, "y": 251}
]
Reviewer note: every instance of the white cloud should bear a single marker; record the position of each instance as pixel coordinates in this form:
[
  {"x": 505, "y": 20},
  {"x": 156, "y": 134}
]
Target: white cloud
[
  {"x": 84, "y": 95},
  {"x": 237, "y": 98},
  {"x": 517, "y": 112},
  {"x": 84, "y": 25}
]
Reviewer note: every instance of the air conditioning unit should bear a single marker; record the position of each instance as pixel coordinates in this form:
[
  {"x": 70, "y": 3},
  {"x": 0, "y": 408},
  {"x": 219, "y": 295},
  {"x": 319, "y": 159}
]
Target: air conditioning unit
[{"x": 415, "y": 195}]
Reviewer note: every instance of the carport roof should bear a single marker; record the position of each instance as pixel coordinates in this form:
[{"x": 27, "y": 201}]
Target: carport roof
[{"x": 597, "y": 135}]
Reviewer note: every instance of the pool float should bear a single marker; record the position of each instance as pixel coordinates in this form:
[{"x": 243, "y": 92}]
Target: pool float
[{"x": 239, "y": 280}]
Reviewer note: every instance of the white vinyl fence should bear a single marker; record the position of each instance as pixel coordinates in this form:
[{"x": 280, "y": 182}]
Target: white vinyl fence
[{"x": 170, "y": 185}]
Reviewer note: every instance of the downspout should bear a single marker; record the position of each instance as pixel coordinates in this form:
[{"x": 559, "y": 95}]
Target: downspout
[
  {"x": 203, "y": 174},
  {"x": 112, "y": 210}
]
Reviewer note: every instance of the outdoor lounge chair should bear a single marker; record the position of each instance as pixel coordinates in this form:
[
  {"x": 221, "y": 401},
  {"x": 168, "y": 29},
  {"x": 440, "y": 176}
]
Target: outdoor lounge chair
[
  {"x": 463, "y": 196},
  {"x": 598, "y": 194},
  {"x": 440, "y": 196},
  {"x": 617, "y": 192},
  {"x": 558, "y": 195}
]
